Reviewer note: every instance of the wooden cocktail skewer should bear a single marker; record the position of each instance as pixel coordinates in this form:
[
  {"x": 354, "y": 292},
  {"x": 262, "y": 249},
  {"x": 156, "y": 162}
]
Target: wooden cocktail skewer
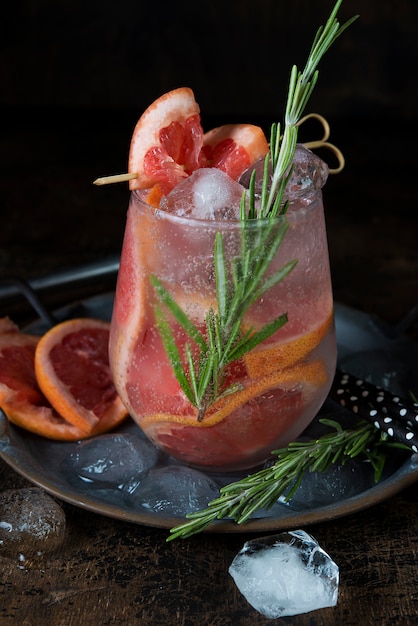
[
  {"x": 116, "y": 178},
  {"x": 320, "y": 143}
]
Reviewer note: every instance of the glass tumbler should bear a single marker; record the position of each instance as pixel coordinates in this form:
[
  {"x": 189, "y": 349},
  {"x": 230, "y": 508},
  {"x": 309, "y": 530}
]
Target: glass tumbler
[{"x": 218, "y": 360}]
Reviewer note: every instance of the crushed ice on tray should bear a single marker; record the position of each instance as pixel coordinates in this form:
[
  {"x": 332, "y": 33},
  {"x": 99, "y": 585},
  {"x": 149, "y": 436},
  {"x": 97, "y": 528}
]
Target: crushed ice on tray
[
  {"x": 172, "y": 490},
  {"x": 111, "y": 460},
  {"x": 207, "y": 194},
  {"x": 32, "y": 523},
  {"x": 285, "y": 574},
  {"x": 310, "y": 173}
]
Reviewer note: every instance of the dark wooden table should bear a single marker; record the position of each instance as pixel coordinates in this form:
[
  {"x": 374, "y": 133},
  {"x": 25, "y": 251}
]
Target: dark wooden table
[{"x": 113, "y": 572}]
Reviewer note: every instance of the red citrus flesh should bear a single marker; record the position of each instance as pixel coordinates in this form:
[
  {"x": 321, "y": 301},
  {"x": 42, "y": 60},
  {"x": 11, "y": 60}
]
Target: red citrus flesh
[
  {"x": 168, "y": 144},
  {"x": 84, "y": 362},
  {"x": 72, "y": 369},
  {"x": 20, "y": 397}
]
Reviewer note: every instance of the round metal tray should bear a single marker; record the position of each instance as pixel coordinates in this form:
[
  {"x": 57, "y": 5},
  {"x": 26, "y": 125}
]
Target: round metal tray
[{"x": 367, "y": 348}]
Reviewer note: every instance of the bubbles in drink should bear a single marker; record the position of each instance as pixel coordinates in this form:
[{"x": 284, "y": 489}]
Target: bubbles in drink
[
  {"x": 285, "y": 574},
  {"x": 208, "y": 194}
]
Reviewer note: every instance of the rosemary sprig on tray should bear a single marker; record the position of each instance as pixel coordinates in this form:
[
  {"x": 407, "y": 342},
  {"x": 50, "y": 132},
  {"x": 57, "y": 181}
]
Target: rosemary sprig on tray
[{"x": 260, "y": 490}]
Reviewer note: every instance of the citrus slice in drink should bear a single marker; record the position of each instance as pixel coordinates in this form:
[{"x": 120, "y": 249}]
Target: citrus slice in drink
[
  {"x": 132, "y": 306},
  {"x": 72, "y": 370},
  {"x": 133, "y": 318},
  {"x": 310, "y": 373},
  {"x": 284, "y": 354},
  {"x": 240, "y": 425},
  {"x": 168, "y": 144}
]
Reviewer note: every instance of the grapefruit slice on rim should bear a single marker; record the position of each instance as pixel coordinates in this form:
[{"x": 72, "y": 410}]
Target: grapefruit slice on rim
[
  {"x": 234, "y": 147},
  {"x": 166, "y": 141},
  {"x": 168, "y": 144}
]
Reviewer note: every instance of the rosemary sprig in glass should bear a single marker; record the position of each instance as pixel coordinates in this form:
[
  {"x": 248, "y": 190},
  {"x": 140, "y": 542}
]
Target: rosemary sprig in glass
[
  {"x": 239, "y": 500},
  {"x": 237, "y": 288},
  {"x": 245, "y": 280}
]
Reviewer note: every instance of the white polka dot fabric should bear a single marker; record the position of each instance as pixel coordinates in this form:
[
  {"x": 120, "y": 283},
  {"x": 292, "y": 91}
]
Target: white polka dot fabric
[{"x": 392, "y": 414}]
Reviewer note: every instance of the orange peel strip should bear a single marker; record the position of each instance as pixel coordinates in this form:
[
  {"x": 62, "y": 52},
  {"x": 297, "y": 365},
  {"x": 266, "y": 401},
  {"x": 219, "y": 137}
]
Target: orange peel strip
[{"x": 283, "y": 355}]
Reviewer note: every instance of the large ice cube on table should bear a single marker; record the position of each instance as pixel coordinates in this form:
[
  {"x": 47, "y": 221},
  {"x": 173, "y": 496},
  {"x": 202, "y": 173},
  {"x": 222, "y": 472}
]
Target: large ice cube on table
[
  {"x": 32, "y": 523},
  {"x": 285, "y": 574},
  {"x": 207, "y": 194}
]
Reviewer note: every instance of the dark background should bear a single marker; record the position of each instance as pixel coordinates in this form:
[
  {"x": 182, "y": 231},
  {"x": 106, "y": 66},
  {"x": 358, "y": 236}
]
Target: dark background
[
  {"x": 235, "y": 54},
  {"x": 75, "y": 76}
]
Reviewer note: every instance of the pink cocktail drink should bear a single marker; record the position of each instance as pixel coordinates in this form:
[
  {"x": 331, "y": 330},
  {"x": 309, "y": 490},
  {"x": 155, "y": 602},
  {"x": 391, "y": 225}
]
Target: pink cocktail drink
[{"x": 267, "y": 395}]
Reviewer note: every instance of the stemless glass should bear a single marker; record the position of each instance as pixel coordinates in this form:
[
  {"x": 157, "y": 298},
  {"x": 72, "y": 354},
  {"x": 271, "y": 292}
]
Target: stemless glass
[{"x": 274, "y": 390}]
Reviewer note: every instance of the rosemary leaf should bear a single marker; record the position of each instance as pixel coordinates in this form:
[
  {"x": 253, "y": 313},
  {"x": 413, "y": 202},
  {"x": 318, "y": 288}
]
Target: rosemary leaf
[
  {"x": 173, "y": 354},
  {"x": 256, "y": 338},
  {"x": 275, "y": 278},
  {"x": 220, "y": 276},
  {"x": 178, "y": 313}
]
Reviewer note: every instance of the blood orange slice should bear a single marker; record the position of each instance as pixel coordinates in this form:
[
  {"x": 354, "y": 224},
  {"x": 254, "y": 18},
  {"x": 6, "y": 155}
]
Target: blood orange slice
[
  {"x": 8, "y": 326},
  {"x": 233, "y": 147},
  {"x": 166, "y": 141},
  {"x": 168, "y": 144},
  {"x": 20, "y": 397},
  {"x": 72, "y": 370}
]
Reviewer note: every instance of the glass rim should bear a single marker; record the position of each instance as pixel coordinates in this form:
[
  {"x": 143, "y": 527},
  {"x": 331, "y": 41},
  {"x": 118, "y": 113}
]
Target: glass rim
[{"x": 293, "y": 216}]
